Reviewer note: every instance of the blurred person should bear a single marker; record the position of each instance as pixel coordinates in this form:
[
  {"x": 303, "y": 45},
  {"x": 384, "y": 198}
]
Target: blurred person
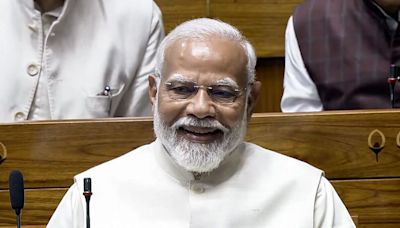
[
  {"x": 64, "y": 59},
  {"x": 338, "y": 55}
]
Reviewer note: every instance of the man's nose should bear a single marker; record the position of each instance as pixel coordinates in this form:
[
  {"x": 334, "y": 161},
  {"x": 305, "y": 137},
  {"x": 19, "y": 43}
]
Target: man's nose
[{"x": 201, "y": 105}]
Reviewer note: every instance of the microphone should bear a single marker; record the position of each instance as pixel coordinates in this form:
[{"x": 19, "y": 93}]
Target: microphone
[
  {"x": 87, "y": 192},
  {"x": 393, "y": 73},
  {"x": 16, "y": 186}
]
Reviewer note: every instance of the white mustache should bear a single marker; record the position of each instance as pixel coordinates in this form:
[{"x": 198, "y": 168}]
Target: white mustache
[{"x": 194, "y": 122}]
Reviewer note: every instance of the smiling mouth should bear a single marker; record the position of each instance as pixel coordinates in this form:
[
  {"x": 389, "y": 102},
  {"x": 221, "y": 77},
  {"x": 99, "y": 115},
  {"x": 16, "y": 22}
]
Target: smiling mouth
[{"x": 200, "y": 134}]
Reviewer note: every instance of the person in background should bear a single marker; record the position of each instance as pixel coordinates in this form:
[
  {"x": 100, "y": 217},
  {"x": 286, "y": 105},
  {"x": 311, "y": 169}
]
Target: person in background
[
  {"x": 338, "y": 55},
  {"x": 199, "y": 172},
  {"x": 65, "y": 59}
]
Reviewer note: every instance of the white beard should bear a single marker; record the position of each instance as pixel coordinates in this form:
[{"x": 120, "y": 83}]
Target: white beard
[{"x": 198, "y": 157}]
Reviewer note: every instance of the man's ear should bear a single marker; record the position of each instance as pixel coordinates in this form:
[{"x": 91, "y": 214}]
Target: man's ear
[
  {"x": 152, "y": 90},
  {"x": 253, "y": 97}
]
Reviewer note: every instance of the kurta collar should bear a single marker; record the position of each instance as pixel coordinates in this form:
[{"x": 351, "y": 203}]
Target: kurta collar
[
  {"x": 229, "y": 167},
  {"x": 30, "y": 6}
]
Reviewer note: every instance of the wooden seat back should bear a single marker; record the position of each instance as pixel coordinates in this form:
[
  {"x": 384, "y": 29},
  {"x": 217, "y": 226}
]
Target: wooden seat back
[{"x": 343, "y": 144}]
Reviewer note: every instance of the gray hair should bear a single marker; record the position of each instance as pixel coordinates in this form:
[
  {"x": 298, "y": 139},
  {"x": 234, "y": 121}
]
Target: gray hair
[{"x": 202, "y": 28}]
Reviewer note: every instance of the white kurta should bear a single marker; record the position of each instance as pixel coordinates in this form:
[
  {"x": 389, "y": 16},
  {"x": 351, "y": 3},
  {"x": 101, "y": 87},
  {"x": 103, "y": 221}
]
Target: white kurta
[
  {"x": 300, "y": 93},
  {"x": 254, "y": 187},
  {"x": 91, "y": 45}
]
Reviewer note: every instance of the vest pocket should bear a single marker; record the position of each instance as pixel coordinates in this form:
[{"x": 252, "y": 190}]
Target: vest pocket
[{"x": 103, "y": 103}]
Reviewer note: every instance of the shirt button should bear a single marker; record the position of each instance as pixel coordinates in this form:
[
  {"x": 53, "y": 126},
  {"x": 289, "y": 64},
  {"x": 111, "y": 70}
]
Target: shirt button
[
  {"x": 198, "y": 188},
  {"x": 19, "y": 116},
  {"x": 33, "y": 69}
]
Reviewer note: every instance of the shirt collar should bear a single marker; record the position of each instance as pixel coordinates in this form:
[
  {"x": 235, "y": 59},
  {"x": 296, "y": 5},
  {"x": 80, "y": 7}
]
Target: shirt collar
[
  {"x": 227, "y": 168},
  {"x": 55, "y": 12},
  {"x": 31, "y": 5}
]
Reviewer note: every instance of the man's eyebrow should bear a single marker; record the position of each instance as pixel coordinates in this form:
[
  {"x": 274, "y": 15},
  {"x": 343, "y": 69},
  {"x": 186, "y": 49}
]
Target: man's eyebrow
[
  {"x": 228, "y": 82},
  {"x": 182, "y": 78},
  {"x": 179, "y": 78}
]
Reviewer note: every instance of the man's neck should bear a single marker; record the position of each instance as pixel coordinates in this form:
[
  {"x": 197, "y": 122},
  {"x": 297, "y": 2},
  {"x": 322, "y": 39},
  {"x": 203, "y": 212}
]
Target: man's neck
[
  {"x": 392, "y": 7},
  {"x": 49, "y": 5}
]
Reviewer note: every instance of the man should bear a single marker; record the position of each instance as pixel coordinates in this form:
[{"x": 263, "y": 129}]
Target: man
[
  {"x": 64, "y": 59},
  {"x": 338, "y": 55},
  {"x": 199, "y": 172}
]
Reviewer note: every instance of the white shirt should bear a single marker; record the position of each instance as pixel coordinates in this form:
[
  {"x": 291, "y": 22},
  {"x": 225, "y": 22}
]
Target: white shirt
[
  {"x": 253, "y": 187},
  {"x": 300, "y": 93},
  {"x": 40, "y": 108},
  {"x": 92, "y": 44}
]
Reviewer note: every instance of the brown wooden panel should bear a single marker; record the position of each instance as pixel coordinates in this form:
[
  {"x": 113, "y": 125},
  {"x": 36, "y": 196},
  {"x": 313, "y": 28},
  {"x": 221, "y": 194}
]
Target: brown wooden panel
[
  {"x": 355, "y": 219},
  {"x": 23, "y": 226},
  {"x": 270, "y": 74},
  {"x": 372, "y": 201},
  {"x": 39, "y": 206},
  {"x": 177, "y": 11},
  {"x": 336, "y": 142},
  {"x": 379, "y": 225},
  {"x": 262, "y": 21},
  {"x": 50, "y": 154}
]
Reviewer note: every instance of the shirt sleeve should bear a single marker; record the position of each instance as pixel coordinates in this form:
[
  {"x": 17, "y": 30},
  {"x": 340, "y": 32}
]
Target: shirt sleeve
[
  {"x": 300, "y": 93},
  {"x": 329, "y": 210},
  {"x": 70, "y": 212},
  {"x": 136, "y": 101}
]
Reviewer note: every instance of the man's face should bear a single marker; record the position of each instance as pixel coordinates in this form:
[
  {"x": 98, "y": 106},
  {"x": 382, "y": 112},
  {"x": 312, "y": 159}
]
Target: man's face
[{"x": 200, "y": 106}]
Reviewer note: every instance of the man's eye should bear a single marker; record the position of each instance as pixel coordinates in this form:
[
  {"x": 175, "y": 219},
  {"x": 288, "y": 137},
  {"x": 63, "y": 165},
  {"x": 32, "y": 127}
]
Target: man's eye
[
  {"x": 184, "y": 90},
  {"x": 223, "y": 93}
]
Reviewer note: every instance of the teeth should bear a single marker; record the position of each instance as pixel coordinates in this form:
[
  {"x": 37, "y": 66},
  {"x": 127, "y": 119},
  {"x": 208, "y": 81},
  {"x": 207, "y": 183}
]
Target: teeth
[{"x": 200, "y": 130}]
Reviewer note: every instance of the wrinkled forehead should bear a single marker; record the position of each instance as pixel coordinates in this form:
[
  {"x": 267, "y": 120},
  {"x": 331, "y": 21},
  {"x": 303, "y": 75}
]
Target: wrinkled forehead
[{"x": 213, "y": 57}]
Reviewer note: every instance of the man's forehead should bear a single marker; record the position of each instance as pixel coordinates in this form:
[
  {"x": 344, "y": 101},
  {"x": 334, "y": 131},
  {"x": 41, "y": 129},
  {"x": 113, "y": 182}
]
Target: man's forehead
[
  {"x": 224, "y": 57},
  {"x": 203, "y": 45}
]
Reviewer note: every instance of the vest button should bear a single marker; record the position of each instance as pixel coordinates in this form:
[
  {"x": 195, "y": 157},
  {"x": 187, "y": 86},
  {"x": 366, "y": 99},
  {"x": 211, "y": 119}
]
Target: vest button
[
  {"x": 33, "y": 69},
  {"x": 19, "y": 116}
]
